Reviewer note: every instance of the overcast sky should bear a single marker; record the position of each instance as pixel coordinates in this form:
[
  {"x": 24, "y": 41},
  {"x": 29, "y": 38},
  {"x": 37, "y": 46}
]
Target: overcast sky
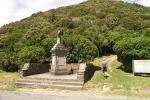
[{"x": 13, "y": 10}]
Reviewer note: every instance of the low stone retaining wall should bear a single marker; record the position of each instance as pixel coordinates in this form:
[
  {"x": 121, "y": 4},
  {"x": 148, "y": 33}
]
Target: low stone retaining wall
[
  {"x": 73, "y": 67},
  {"x": 35, "y": 68}
]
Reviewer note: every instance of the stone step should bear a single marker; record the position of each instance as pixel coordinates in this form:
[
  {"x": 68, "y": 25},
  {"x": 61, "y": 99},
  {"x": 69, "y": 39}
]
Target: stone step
[
  {"x": 51, "y": 81},
  {"x": 43, "y": 85}
]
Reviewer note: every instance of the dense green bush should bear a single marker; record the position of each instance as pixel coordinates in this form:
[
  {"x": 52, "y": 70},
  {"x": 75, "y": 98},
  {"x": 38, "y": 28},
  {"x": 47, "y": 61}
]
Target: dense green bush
[
  {"x": 113, "y": 38},
  {"x": 4, "y": 60},
  {"x": 112, "y": 21},
  {"x": 132, "y": 48},
  {"x": 8, "y": 52},
  {"x": 9, "y": 62},
  {"x": 33, "y": 38},
  {"x": 65, "y": 22},
  {"x": 79, "y": 48},
  {"x": 95, "y": 37},
  {"x": 47, "y": 44},
  {"x": 32, "y": 54}
]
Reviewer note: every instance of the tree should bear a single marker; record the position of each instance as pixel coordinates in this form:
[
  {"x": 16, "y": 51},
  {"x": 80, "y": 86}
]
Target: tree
[
  {"x": 47, "y": 44},
  {"x": 31, "y": 54},
  {"x": 111, "y": 21},
  {"x": 79, "y": 48},
  {"x": 112, "y": 38},
  {"x": 34, "y": 38},
  {"x": 9, "y": 61},
  {"x": 132, "y": 48},
  {"x": 4, "y": 60},
  {"x": 94, "y": 37},
  {"x": 65, "y": 22}
]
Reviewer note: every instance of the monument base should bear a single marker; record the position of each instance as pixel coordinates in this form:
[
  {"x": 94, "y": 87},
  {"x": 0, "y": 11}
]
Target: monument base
[
  {"x": 46, "y": 80},
  {"x": 59, "y": 71}
]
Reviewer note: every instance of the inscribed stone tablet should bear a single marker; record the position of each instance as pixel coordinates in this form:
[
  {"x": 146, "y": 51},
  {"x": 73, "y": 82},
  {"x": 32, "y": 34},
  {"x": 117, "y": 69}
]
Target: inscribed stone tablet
[
  {"x": 82, "y": 67},
  {"x": 61, "y": 61},
  {"x": 26, "y": 66}
]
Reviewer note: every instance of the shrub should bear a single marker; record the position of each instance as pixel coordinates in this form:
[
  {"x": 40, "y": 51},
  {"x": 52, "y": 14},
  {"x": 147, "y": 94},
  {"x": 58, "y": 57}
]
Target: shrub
[
  {"x": 79, "y": 48},
  {"x": 113, "y": 38},
  {"x": 9, "y": 62},
  {"x": 31, "y": 54},
  {"x": 47, "y": 44},
  {"x": 132, "y": 48},
  {"x": 65, "y": 22}
]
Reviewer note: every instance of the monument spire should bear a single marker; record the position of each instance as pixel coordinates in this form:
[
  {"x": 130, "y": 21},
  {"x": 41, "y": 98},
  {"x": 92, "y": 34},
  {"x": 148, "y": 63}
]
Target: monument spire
[
  {"x": 59, "y": 57},
  {"x": 59, "y": 37}
]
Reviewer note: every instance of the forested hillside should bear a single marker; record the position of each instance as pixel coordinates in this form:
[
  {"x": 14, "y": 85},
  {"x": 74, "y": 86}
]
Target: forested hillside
[{"x": 90, "y": 29}]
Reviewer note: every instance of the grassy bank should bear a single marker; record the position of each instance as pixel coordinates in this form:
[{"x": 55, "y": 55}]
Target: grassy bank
[
  {"x": 119, "y": 82},
  {"x": 7, "y": 80}
]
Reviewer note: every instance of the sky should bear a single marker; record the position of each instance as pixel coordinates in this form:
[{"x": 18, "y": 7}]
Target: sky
[
  {"x": 141, "y": 2},
  {"x": 14, "y": 10}
]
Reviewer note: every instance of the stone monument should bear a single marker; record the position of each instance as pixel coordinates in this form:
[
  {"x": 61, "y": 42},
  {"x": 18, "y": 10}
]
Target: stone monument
[
  {"x": 58, "y": 76},
  {"x": 58, "y": 66}
]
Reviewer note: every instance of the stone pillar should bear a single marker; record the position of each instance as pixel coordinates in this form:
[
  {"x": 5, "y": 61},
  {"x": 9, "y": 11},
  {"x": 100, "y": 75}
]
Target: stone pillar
[
  {"x": 58, "y": 37},
  {"x": 81, "y": 71},
  {"x": 58, "y": 66}
]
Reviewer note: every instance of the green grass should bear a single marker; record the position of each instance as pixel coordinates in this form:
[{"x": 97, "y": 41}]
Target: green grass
[
  {"x": 120, "y": 82},
  {"x": 127, "y": 80},
  {"x": 7, "y": 80},
  {"x": 8, "y": 88}
]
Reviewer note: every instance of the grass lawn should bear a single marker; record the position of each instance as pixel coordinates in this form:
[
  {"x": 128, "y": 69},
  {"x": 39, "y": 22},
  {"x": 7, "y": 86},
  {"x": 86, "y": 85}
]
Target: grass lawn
[
  {"x": 7, "y": 80},
  {"x": 119, "y": 82}
]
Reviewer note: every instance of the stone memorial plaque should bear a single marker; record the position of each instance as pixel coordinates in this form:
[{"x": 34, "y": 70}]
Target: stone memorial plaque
[
  {"x": 26, "y": 66},
  {"x": 141, "y": 66},
  {"x": 61, "y": 61},
  {"x": 82, "y": 67}
]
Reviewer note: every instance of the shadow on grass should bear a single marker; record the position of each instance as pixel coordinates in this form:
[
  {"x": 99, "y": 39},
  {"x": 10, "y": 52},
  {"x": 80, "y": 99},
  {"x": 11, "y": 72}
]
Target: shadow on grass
[
  {"x": 126, "y": 66},
  {"x": 125, "y": 69},
  {"x": 142, "y": 74},
  {"x": 90, "y": 70}
]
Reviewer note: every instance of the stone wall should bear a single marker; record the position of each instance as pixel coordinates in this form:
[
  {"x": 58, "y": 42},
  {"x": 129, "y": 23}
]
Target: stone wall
[
  {"x": 35, "y": 68},
  {"x": 73, "y": 67}
]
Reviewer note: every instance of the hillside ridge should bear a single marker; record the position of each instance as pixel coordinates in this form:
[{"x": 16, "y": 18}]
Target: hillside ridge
[{"x": 90, "y": 29}]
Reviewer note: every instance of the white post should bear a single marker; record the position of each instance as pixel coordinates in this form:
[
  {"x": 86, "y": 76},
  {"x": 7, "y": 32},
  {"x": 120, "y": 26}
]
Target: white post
[{"x": 58, "y": 39}]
